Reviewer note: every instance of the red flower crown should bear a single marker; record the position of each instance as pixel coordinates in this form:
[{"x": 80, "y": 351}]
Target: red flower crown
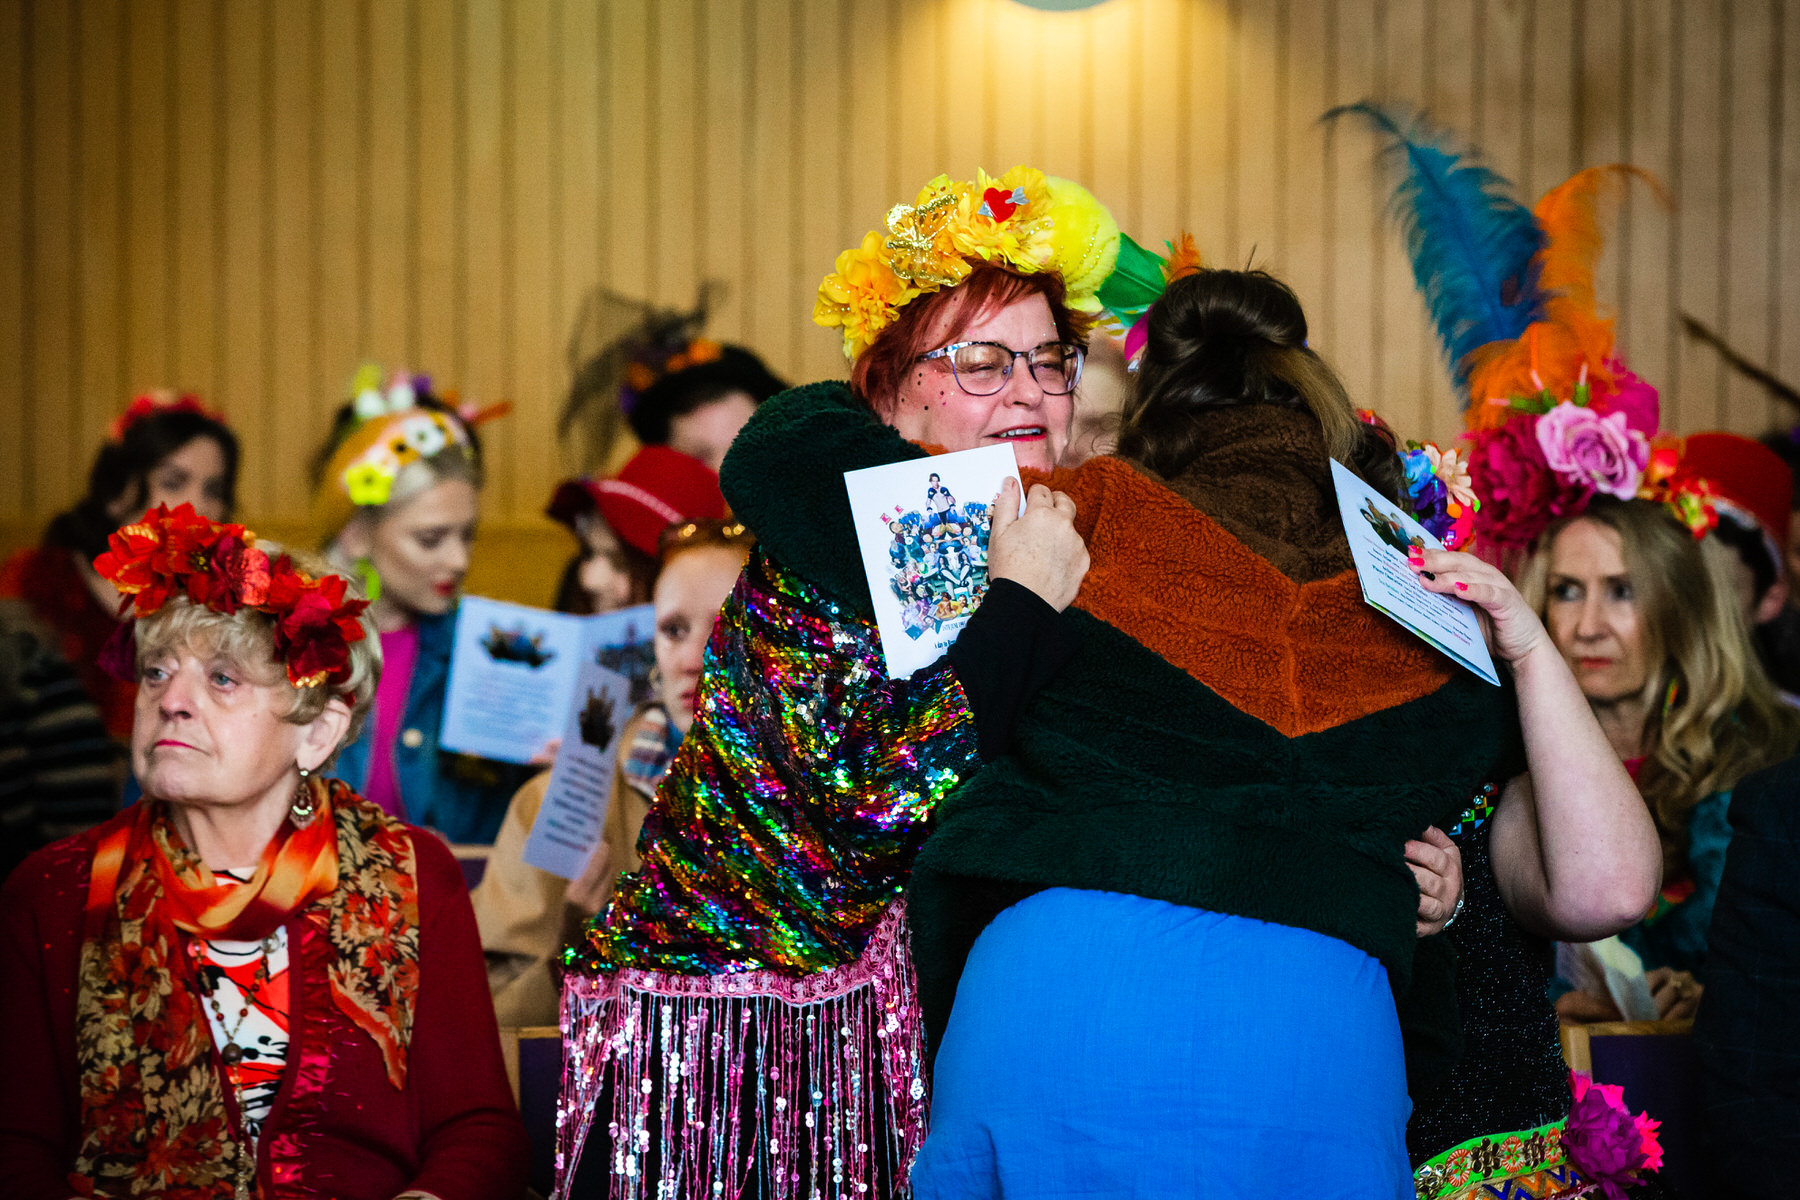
[
  {"x": 179, "y": 552},
  {"x": 155, "y": 404}
]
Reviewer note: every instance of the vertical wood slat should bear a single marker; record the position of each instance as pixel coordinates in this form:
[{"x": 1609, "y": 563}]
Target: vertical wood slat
[
  {"x": 1702, "y": 193},
  {"x": 247, "y": 197},
  {"x": 99, "y": 385},
  {"x": 722, "y": 150},
  {"x": 290, "y": 132},
  {"x": 534, "y": 375},
  {"x": 339, "y": 224},
  {"x": 146, "y": 200},
  {"x": 438, "y": 236},
  {"x": 1304, "y": 248},
  {"x": 242, "y": 373},
  {"x": 1601, "y": 97},
  {"x": 775, "y": 329},
  {"x": 1748, "y": 283},
  {"x": 818, "y": 179},
  {"x": 1648, "y": 335},
  {"x": 1256, "y": 179},
  {"x": 625, "y": 175},
  {"x": 486, "y": 300},
  {"x": 1358, "y": 221},
  {"x": 193, "y": 163},
  {"x": 1786, "y": 351},
  {"x": 1409, "y": 344},
  {"x": 1158, "y": 100},
  {"x": 389, "y": 187},
  {"x": 1551, "y": 50},
  {"x": 50, "y": 469},
  {"x": 17, "y": 502},
  {"x": 674, "y": 185}
]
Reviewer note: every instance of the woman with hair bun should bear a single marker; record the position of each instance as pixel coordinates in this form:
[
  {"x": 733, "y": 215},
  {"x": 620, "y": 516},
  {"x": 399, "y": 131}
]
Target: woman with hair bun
[
  {"x": 1159, "y": 944},
  {"x": 400, "y": 493},
  {"x": 164, "y": 449}
]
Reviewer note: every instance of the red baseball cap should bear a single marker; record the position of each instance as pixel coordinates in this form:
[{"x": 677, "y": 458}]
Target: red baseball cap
[
  {"x": 657, "y": 488},
  {"x": 1748, "y": 476}
]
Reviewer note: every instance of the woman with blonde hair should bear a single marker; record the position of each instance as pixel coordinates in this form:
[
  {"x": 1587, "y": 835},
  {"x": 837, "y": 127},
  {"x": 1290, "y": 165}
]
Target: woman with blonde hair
[
  {"x": 254, "y": 982},
  {"x": 400, "y": 495},
  {"x": 1657, "y": 642}
]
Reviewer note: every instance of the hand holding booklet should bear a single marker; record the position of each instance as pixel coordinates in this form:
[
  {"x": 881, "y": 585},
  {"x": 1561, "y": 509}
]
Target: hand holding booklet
[
  {"x": 1380, "y": 536},
  {"x": 514, "y": 669},
  {"x": 923, "y": 530},
  {"x": 570, "y": 820}
]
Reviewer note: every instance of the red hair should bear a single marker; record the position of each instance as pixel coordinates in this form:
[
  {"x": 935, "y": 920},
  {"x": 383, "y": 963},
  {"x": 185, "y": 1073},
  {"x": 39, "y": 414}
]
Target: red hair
[{"x": 877, "y": 375}]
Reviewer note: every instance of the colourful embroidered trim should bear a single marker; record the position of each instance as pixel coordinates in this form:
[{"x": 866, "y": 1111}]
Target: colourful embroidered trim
[
  {"x": 1516, "y": 1157},
  {"x": 1479, "y": 810}
]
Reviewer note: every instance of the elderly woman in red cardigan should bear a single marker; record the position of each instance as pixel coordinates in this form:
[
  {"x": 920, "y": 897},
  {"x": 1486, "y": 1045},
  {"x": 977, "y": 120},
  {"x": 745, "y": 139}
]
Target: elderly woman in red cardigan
[{"x": 254, "y": 983}]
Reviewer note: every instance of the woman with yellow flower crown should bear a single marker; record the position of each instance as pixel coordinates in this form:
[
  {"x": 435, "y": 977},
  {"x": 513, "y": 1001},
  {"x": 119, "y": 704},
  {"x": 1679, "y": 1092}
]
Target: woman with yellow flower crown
[{"x": 741, "y": 1019}]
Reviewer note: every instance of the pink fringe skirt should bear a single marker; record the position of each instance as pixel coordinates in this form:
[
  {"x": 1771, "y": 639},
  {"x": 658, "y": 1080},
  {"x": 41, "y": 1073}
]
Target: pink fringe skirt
[{"x": 756, "y": 1083}]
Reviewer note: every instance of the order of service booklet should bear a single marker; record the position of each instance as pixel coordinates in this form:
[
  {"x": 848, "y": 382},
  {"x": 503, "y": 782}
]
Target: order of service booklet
[
  {"x": 1380, "y": 535},
  {"x": 514, "y": 669},
  {"x": 569, "y": 821},
  {"x": 923, "y": 530}
]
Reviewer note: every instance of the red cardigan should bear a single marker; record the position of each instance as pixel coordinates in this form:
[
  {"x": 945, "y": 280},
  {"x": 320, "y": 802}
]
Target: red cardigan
[{"x": 339, "y": 1130}]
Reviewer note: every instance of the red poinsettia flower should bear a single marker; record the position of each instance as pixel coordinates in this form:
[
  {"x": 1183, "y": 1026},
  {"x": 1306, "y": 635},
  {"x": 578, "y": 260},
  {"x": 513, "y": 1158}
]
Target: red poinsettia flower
[
  {"x": 187, "y": 539},
  {"x": 237, "y": 577},
  {"x": 314, "y": 629},
  {"x": 126, "y": 564},
  {"x": 156, "y": 556}
]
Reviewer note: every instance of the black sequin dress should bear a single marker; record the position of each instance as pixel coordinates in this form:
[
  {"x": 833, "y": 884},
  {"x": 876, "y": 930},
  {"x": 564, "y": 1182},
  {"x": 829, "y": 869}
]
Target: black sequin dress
[{"x": 1511, "y": 1075}]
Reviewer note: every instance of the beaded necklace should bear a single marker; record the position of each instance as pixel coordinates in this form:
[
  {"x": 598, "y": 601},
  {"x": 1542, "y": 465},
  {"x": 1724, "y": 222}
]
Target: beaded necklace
[{"x": 232, "y": 1053}]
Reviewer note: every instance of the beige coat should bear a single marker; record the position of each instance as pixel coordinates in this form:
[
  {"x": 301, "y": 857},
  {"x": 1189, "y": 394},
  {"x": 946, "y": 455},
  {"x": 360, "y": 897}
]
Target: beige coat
[{"x": 524, "y": 913}]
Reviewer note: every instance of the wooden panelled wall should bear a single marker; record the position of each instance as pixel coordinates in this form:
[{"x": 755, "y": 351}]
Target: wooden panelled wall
[{"x": 247, "y": 197}]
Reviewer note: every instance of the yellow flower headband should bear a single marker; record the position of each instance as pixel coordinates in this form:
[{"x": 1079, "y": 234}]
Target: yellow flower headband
[{"x": 1025, "y": 220}]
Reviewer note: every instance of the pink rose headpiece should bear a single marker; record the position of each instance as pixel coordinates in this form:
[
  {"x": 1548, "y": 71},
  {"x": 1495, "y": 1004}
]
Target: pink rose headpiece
[{"x": 1554, "y": 415}]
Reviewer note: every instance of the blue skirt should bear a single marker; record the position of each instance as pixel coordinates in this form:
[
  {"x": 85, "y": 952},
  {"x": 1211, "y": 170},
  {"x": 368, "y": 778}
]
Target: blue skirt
[{"x": 1105, "y": 1045}]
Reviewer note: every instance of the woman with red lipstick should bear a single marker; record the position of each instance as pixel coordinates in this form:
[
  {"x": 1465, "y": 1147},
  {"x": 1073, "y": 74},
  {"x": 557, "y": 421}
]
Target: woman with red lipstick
[
  {"x": 527, "y": 915},
  {"x": 254, "y": 982},
  {"x": 401, "y": 489},
  {"x": 1657, "y": 641}
]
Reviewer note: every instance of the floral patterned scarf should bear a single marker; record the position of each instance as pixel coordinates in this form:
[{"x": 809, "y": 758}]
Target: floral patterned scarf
[{"x": 153, "y": 1114}]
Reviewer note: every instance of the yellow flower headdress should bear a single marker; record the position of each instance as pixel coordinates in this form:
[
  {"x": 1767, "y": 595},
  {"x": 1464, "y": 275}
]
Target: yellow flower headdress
[{"x": 1025, "y": 220}]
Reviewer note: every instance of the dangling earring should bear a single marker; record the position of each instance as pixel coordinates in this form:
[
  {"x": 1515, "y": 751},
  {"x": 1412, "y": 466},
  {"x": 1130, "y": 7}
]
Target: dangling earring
[
  {"x": 369, "y": 577},
  {"x": 303, "y": 808}
]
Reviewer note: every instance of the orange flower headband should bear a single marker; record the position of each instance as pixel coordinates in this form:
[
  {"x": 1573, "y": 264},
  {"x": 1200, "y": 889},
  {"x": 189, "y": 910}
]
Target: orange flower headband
[{"x": 179, "y": 552}]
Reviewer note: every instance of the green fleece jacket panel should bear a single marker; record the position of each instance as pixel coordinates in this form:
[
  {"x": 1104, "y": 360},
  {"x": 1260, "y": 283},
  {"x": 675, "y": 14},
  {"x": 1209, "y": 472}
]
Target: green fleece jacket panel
[{"x": 1166, "y": 774}]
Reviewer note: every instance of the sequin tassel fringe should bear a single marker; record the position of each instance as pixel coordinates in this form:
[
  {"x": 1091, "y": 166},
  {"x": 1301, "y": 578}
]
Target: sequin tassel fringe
[{"x": 753, "y": 1084}]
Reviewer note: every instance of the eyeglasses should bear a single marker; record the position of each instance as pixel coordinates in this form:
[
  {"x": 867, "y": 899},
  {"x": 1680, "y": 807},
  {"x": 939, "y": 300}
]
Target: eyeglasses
[{"x": 982, "y": 368}]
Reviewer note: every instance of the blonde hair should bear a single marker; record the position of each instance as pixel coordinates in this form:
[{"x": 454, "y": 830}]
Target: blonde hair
[
  {"x": 1714, "y": 715},
  {"x": 247, "y": 638}
]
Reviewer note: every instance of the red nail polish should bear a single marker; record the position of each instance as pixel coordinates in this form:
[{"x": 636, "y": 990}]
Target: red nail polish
[{"x": 1462, "y": 587}]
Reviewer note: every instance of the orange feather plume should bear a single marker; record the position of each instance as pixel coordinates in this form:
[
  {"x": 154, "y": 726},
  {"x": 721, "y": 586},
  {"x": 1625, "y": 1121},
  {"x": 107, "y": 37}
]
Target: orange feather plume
[
  {"x": 1573, "y": 333},
  {"x": 1183, "y": 260}
]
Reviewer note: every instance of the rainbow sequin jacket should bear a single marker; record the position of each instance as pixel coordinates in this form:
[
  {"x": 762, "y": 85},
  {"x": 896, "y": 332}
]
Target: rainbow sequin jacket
[{"x": 789, "y": 820}]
